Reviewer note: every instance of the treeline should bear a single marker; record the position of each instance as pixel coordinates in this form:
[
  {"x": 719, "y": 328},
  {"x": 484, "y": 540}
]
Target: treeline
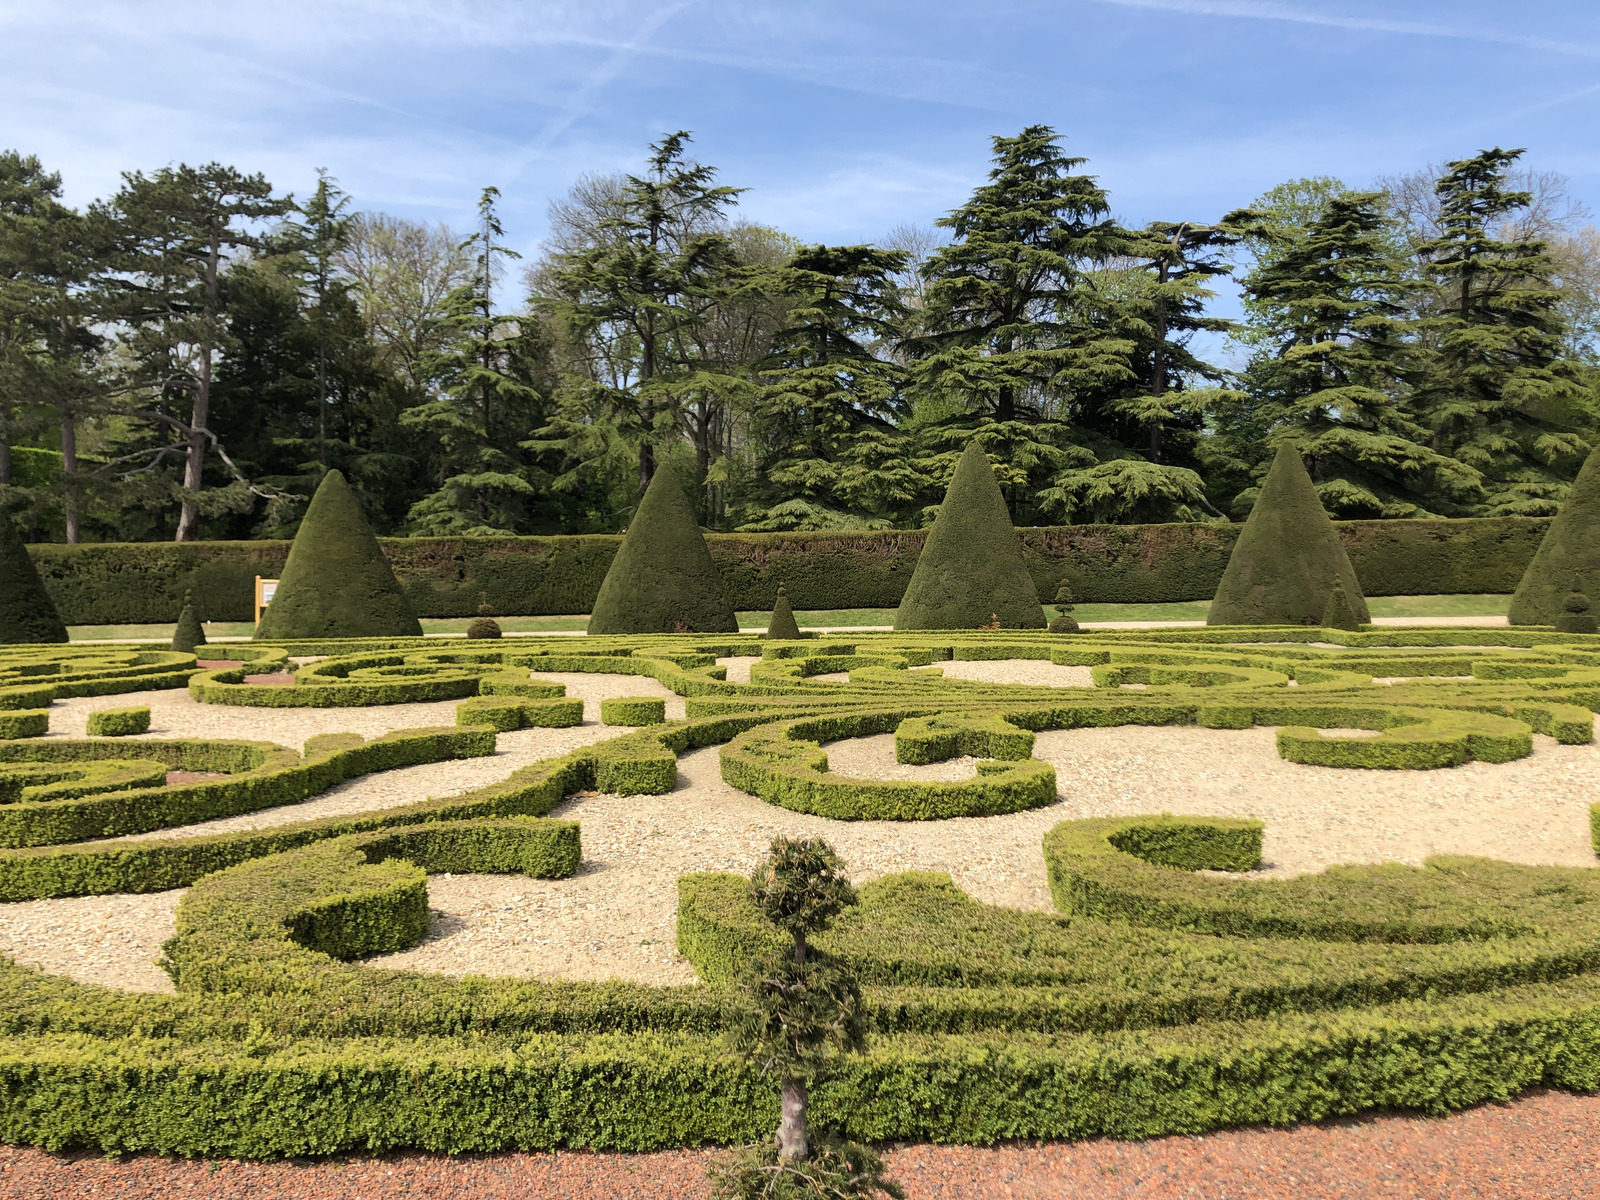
[{"x": 200, "y": 348}]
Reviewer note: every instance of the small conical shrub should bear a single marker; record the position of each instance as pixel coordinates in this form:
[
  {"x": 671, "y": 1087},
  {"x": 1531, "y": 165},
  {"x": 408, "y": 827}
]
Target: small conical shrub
[
  {"x": 1288, "y": 557},
  {"x": 484, "y": 625},
  {"x": 662, "y": 579},
  {"x": 27, "y": 614},
  {"x": 189, "y": 636},
  {"x": 1575, "y": 615},
  {"x": 337, "y": 583},
  {"x": 971, "y": 574},
  {"x": 1571, "y": 548},
  {"x": 1339, "y": 613},
  {"x": 1065, "y": 622},
  {"x": 782, "y": 623}
]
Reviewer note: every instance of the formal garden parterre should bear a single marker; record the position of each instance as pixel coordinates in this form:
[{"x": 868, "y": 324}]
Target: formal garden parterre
[{"x": 1172, "y": 982}]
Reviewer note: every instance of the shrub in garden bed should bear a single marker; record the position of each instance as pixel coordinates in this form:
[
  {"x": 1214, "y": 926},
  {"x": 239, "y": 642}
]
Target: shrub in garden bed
[
  {"x": 633, "y": 710},
  {"x": 119, "y": 722}
]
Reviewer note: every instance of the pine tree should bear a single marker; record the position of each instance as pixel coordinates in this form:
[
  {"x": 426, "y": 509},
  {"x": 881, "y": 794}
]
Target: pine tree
[
  {"x": 337, "y": 582},
  {"x": 971, "y": 570},
  {"x": 1329, "y": 370},
  {"x": 1288, "y": 559},
  {"x": 826, "y": 386},
  {"x": 662, "y": 579},
  {"x": 1494, "y": 384},
  {"x": 27, "y": 614}
]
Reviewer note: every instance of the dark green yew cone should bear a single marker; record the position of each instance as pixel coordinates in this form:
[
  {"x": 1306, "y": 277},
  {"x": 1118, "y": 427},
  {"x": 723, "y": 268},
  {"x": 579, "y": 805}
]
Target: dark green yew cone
[
  {"x": 662, "y": 579},
  {"x": 782, "y": 625},
  {"x": 1568, "y": 559},
  {"x": 1339, "y": 613},
  {"x": 27, "y": 614},
  {"x": 337, "y": 583},
  {"x": 1288, "y": 557},
  {"x": 189, "y": 636},
  {"x": 971, "y": 567}
]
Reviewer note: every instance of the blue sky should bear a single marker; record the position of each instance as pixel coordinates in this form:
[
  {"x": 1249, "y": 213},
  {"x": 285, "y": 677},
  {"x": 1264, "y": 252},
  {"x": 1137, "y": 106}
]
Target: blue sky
[{"x": 842, "y": 118}]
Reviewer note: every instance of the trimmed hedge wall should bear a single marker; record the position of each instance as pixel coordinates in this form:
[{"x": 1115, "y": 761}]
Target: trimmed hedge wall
[{"x": 127, "y": 583}]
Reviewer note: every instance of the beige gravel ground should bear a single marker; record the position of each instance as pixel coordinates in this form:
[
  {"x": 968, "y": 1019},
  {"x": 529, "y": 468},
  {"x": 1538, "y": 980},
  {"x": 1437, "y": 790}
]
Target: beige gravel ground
[{"x": 616, "y": 917}]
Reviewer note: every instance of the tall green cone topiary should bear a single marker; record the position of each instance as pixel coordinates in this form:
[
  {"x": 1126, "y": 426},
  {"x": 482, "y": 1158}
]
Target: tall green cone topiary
[
  {"x": 27, "y": 614},
  {"x": 662, "y": 579},
  {"x": 189, "y": 636},
  {"x": 337, "y": 583},
  {"x": 782, "y": 623},
  {"x": 1288, "y": 557},
  {"x": 971, "y": 573},
  {"x": 1339, "y": 613},
  {"x": 1570, "y": 551}
]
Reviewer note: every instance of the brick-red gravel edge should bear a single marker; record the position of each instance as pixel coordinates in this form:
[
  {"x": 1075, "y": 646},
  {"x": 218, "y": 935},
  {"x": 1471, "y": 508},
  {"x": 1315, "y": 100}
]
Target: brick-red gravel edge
[{"x": 1545, "y": 1145}]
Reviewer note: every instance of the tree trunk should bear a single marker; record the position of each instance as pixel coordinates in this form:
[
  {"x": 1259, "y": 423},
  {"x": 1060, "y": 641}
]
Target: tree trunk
[
  {"x": 69, "y": 474},
  {"x": 792, "y": 1145},
  {"x": 195, "y": 457},
  {"x": 5, "y": 463}
]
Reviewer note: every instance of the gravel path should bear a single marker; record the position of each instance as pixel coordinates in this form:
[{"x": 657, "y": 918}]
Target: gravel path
[
  {"x": 1482, "y": 1154},
  {"x": 617, "y": 916}
]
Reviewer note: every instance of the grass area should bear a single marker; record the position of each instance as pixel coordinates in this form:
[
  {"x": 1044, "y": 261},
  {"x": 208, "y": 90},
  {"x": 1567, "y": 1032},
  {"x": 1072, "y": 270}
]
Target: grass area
[{"x": 1192, "y": 610}]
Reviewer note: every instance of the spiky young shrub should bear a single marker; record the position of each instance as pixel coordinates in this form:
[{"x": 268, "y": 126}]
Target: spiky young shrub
[
  {"x": 1568, "y": 559},
  {"x": 1339, "y": 613},
  {"x": 971, "y": 572},
  {"x": 663, "y": 577},
  {"x": 1288, "y": 557},
  {"x": 782, "y": 624},
  {"x": 27, "y": 613},
  {"x": 189, "y": 636},
  {"x": 805, "y": 1008},
  {"x": 336, "y": 582}
]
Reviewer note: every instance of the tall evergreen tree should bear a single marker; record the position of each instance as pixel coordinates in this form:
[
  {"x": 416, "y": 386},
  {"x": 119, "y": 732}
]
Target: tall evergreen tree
[
  {"x": 176, "y": 230},
  {"x": 826, "y": 386},
  {"x": 1331, "y": 358},
  {"x": 320, "y": 238},
  {"x": 1494, "y": 385}
]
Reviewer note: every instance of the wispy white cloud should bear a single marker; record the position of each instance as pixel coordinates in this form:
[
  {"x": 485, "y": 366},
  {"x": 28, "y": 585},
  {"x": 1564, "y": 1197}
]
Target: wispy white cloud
[{"x": 1266, "y": 10}]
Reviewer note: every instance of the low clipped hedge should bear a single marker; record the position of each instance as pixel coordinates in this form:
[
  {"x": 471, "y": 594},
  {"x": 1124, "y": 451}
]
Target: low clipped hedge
[
  {"x": 633, "y": 710},
  {"x": 119, "y": 722},
  {"x": 113, "y": 583},
  {"x": 28, "y": 722}
]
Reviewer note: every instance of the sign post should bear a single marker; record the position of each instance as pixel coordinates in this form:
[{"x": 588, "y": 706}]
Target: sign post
[{"x": 265, "y": 589}]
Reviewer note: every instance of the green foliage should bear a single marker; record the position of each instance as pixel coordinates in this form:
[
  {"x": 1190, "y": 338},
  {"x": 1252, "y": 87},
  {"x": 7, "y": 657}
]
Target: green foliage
[
  {"x": 336, "y": 582},
  {"x": 1568, "y": 558},
  {"x": 1339, "y": 612},
  {"x": 801, "y": 886},
  {"x": 662, "y": 579},
  {"x": 1288, "y": 558},
  {"x": 32, "y": 722},
  {"x": 189, "y": 635},
  {"x": 120, "y": 722},
  {"x": 26, "y": 611},
  {"x": 782, "y": 625},
  {"x": 834, "y": 1169},
  {"x": 633, "y": 710},
  {"x": 971, "y": 565}
]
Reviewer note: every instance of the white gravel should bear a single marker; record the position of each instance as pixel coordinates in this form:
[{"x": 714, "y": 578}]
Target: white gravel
[{"x": 617, "y": 916}]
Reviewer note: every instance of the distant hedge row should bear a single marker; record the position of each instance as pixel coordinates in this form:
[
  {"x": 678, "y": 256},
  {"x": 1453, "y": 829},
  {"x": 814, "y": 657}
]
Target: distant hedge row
[{"x": 130, "y": 583}]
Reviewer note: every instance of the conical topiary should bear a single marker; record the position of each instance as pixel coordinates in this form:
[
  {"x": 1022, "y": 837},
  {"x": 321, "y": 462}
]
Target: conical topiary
[
  {"x": 1288, "y": 557},
  {"x": 27, "y": 614},
  {"x": 1570, "y": 550},
  {"x": 970, "y": 573},
  {"x": 1339, "y": 613},
  {"x": 663, "y": 577},
  {"x": 189, "y": 636},
  {"x": 782, "y": 623},
  {"x": 337, "y": 583},
  {"x": 1575, "y": 616}
]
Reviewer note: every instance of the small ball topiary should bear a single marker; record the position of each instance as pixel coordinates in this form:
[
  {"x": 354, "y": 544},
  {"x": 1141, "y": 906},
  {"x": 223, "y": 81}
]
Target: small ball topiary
[
  {"x": 1066, "y": 622},
  {"x": 484, "y": 625},
  {"x": 1575, "y": 616}
]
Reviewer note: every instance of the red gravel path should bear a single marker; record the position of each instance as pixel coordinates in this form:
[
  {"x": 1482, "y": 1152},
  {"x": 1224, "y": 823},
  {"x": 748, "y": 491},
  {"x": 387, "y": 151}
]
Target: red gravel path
[
  {"x": 278, "y": 679},
  {"x": 1545, "y": 1146}
]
